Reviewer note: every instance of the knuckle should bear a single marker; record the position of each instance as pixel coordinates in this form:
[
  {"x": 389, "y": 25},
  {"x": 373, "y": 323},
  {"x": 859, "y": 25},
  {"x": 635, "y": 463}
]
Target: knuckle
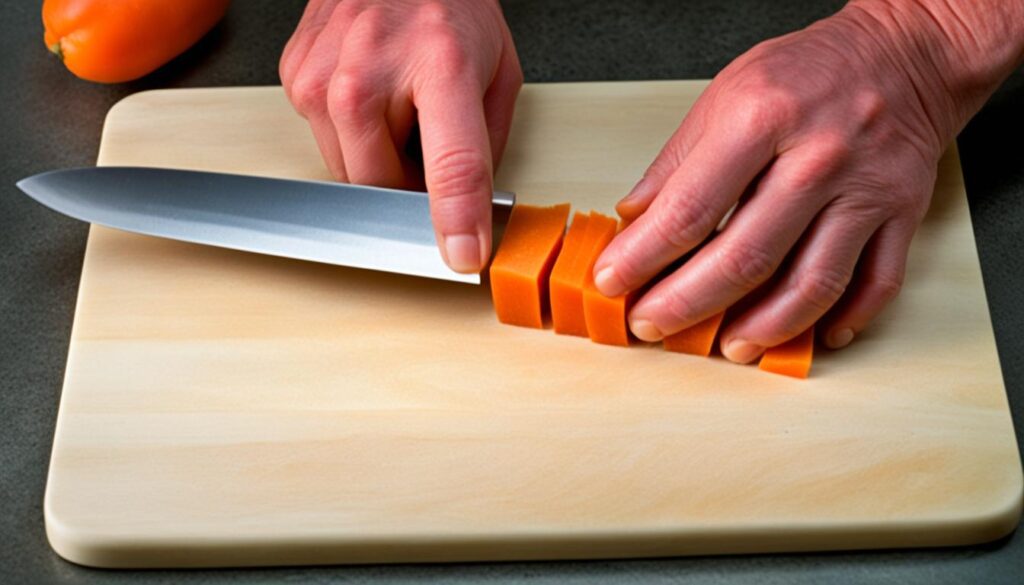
[
  {"x": 687, "y": 221},
  {"x": 516, "y": 76},
  {"x": 745, "y": 266},
  {"x": 886, "y": 286},
  {"x": 367, "y": 30},
  {"x": 831, "y": 150},
  {"x": 781, "y": 107},
  {"x": 447, "y": 57},
  {"x": 309, "y": 92},
  {"x": 677, "y": 307},
  {"x": 869, "y": 106},
  {"x": 348, "y": 11},
  {"x": 766, "y": 109},
  {"x": 459, "y": 173},
  {"x": 825, "y": 158},
  {"x": 350, "y": 95},
  {"x": 805, "y": 178},
  {"x": 752, "y": 116},
  {"x": 285, "y": 73},
  {"x": 286, "y": 66},
  {"x": 759, "y": 50},
  {"x": 822, "y": 288},
  {"x": 436, "y": 13}
]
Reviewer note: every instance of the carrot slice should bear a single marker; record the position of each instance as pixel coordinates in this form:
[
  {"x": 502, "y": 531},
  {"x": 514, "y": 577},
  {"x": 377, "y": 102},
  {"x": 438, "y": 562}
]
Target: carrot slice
[
  {"x": 792, "y": 358},
  {"x": 605, "y": 316},
  {"x": 522, "y": 265},
  {"x": 567, "y": 282},
  {"x": 697, "y": 339}
]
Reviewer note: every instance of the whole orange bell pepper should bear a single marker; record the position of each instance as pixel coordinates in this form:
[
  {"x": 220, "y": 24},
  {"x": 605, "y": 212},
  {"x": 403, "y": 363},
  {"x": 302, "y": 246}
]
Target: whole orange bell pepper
[{"x": 119, "y": 40}]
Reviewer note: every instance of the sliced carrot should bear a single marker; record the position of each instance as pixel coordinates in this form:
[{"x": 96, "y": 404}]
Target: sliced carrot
[
  {"x": 792, "y": 358},
  {"x": 567, "y": 282},
  {"x": 520, "y": 270},
  {"x": 697, "y": 339},
  {"x": 605, "y": 316}
]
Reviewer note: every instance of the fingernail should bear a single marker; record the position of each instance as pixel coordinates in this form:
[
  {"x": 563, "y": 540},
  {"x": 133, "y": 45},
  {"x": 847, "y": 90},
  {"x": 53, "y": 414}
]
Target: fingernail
[
  {"x": 463, "y": 252},
  {"x": 607, "y": 282},
  {"x": 741, "y": 352},
  {"x": 840, "y": 339},
  {"x": 642, "y": 187},
  {"x": 639, "y": 191},
  {"x": 645, "y": 330}
]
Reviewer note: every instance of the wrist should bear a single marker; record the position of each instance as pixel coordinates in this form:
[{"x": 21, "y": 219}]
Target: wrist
[
  {"x": 982, "y": 40},
  {"x": 955, "y": 55}
]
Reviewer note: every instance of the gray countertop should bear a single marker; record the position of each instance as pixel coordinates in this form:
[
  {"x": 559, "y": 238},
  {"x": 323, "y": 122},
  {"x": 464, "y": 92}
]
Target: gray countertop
[{"x": 51, "y": 119}]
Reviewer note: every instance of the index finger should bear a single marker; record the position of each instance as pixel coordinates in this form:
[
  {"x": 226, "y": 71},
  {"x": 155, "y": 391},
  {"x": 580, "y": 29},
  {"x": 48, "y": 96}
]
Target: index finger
[{"x": 458, "y": 169}]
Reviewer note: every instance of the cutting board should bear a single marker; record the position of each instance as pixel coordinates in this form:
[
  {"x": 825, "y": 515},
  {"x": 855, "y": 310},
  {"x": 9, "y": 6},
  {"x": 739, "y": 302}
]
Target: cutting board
[{"x": 224, "y": 408}]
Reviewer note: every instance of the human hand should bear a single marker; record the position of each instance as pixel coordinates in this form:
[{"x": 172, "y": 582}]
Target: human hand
[
  {"x": 365, "y": 72},
  {"x": 828, "y": 138}
]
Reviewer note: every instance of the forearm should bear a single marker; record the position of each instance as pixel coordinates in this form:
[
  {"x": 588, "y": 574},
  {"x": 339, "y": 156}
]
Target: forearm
[{"x": 958, "y": 52}]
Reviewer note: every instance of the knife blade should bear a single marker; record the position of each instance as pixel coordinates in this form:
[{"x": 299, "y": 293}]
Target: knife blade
[{"x": 334, "y": 223}]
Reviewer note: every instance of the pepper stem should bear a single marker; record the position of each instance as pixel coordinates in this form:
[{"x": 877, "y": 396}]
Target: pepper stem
[{"x": 56, "y": 50}]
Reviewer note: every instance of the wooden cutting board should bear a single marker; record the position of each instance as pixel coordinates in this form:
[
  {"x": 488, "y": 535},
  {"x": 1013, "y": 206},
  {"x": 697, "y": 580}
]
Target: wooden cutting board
[{"x": 224, "y": 408}]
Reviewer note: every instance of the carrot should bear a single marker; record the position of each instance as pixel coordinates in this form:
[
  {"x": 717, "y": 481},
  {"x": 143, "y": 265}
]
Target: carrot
[
  {"x": 520, "y": 270},
  {"x": 697, "y": 339},
  {"x": 110, "y": 42},
  {"x": 605, "y": 316},
  {"x": 567, "y": 282},
  {"x": 792, "y": 358}
]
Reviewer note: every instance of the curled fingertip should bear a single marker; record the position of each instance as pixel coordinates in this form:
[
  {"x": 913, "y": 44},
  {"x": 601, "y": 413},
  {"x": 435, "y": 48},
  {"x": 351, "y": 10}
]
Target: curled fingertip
[
  {"x": 839, "y": 338},
  {"x": 608, "y": 282},
  {"x": 645, "y": 330},
  {"x": 741, "y": 351},
  {"x": 634, "y": 203}
]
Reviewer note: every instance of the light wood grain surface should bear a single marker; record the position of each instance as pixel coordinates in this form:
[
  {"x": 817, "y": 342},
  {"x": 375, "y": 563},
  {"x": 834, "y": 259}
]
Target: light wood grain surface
[{"x": 225, "y": 408}]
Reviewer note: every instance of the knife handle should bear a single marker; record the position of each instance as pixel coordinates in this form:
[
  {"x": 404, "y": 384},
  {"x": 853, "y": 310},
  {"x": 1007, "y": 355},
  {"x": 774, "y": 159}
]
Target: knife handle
[{"x": 501, "y": 206}]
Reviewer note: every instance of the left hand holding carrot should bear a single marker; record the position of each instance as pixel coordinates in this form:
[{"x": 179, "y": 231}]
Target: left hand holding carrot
[{"x": 828, "y": 139}]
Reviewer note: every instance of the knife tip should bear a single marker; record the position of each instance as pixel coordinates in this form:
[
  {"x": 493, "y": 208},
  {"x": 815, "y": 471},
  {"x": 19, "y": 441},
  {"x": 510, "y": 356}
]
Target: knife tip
[
  {"x": 34, "y": 187},
  {"x": 25, "y": 184}
]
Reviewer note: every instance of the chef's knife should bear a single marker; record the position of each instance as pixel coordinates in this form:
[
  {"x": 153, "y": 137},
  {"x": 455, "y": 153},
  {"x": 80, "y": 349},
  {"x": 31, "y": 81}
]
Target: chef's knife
[{"x": 336, "y": 223}]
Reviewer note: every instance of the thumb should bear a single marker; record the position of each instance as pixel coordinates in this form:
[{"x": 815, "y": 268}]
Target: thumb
[{"x": 457, "y": 167}]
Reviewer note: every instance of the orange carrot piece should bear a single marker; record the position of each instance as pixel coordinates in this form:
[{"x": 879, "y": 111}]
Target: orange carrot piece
[
  {"x": 522, "y": 265},
  {"x": 566, "y": 282},
  {"x": 697, "y": 339},
  {"x": 792, "y": 358},
  {"x": 605, "y": 316}
]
